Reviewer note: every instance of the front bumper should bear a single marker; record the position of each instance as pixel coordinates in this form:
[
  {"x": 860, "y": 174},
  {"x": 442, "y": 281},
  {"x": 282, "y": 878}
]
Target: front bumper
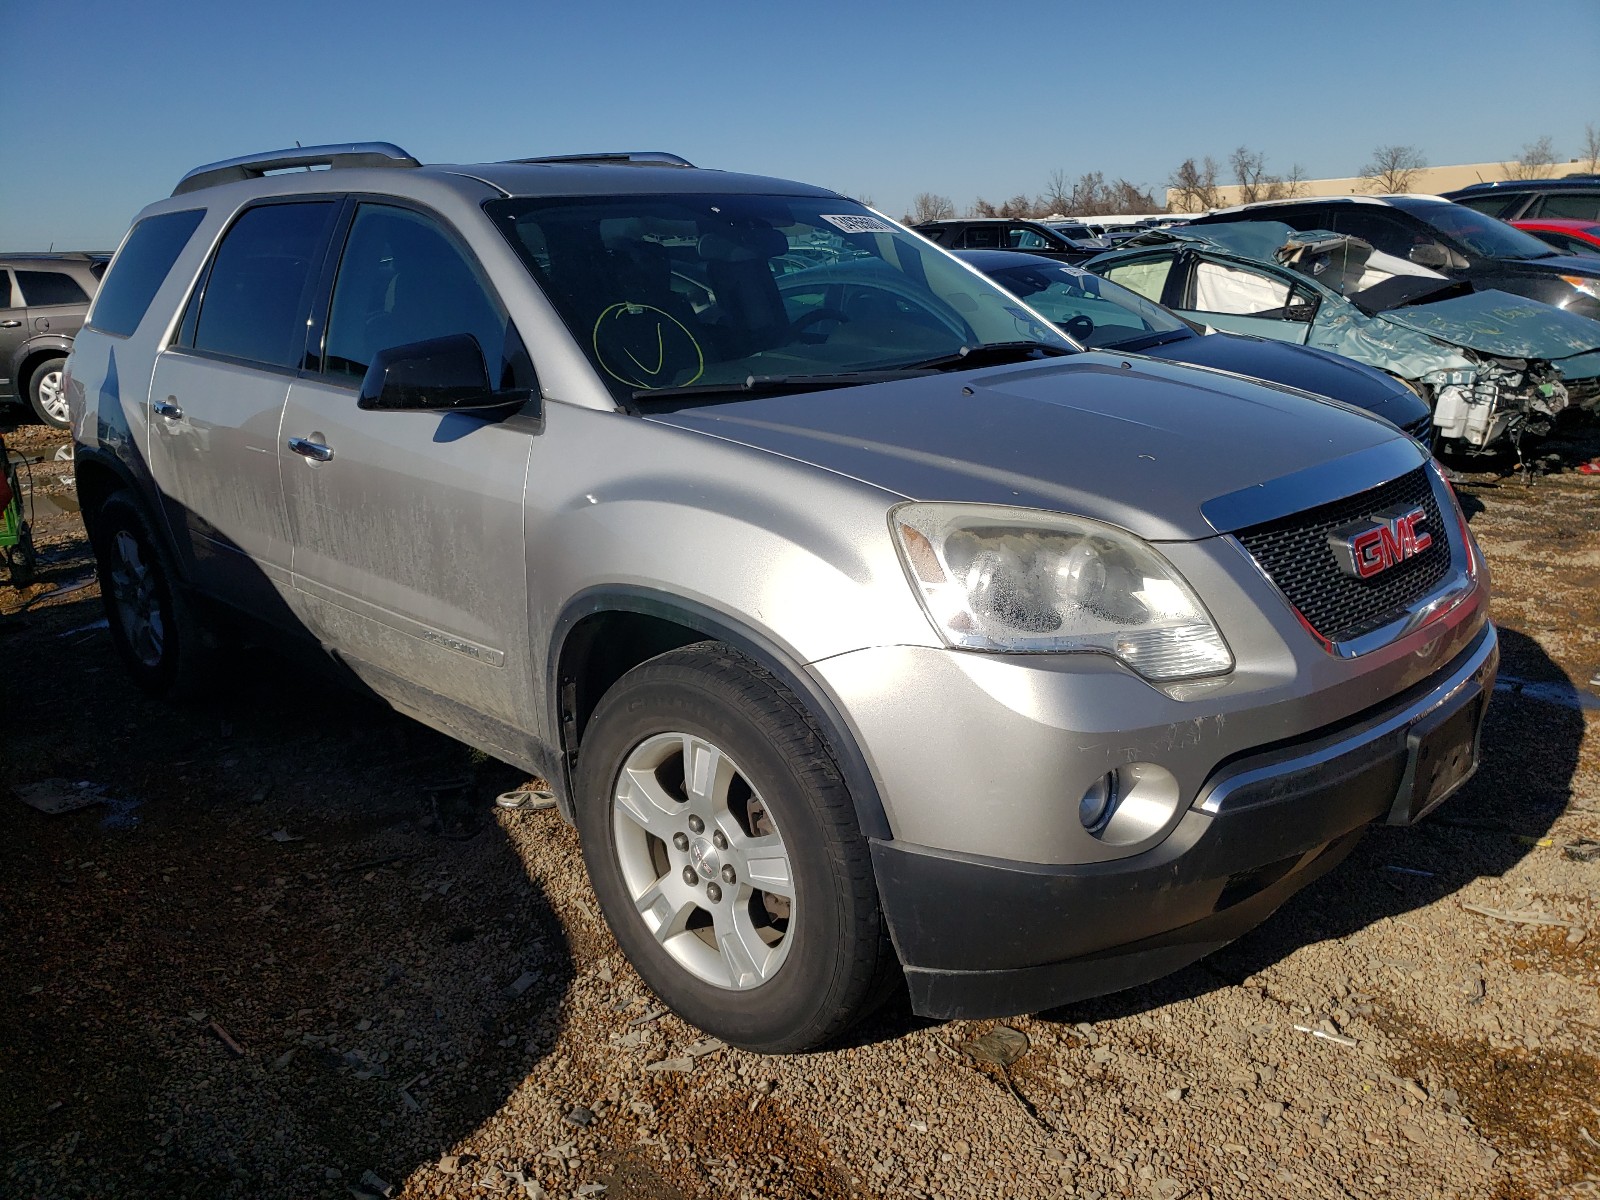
[{"x": 984, "y": 937}]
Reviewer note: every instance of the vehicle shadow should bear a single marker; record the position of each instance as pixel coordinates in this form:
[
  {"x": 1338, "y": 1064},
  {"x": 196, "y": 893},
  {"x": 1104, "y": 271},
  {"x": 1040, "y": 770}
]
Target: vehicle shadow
[
  {"x": 1529, "y": 757},
  {"x": 290, "y": 942}
]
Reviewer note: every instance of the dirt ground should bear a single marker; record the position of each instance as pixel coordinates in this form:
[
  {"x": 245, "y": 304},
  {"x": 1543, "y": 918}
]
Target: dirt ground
[{"x": 289, "y": 949}]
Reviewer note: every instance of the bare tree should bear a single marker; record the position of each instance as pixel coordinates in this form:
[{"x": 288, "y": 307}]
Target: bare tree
[
  {"x": 1194, "y": 185},
  {"x": 1125, "y": 197},
  {"x": 926, "y": 206},
  {"x": 1534, "y": 162},
  {"x": 1018, "y": 206},
  {"x": 1393, "y": 169},
  {"x": 1591, "y": 147},
  {"x": 1295, "y": 185},
  {"x": 1250, "y": 169},
  {"x": 1057, "y": 196},
  {"x": 982, "y": 208}
]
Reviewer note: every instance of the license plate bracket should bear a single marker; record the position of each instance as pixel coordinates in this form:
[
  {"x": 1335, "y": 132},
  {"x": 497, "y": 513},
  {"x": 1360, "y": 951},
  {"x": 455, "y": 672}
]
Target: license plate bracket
[{"x": 1441, "y": 755}]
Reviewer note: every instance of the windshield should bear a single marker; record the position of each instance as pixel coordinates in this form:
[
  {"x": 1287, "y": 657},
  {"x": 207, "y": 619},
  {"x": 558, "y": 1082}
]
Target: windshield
[
  {"x": 1094, "y": 311},
  {"x": 673, "y": 291},
  {"x": 1481, "y": 234}
]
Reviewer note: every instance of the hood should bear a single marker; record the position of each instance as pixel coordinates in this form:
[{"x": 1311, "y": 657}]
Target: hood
[
  {"x": 1303, "y": 367},
  {"x": 1128, "y": 440},
  {"x": 1497, "y": 323},
  {"x": 1556, "y": 264}
]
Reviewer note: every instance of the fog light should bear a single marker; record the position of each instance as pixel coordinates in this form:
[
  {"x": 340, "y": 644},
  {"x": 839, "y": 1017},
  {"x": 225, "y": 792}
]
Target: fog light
[{"x": 1094, "y": 810}]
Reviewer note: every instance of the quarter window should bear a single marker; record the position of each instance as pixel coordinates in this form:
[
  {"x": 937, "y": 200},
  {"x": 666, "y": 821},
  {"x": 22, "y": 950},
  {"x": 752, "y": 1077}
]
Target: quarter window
[
  {"x": 41, "y": 289},
  {"x": 139, "y": 270},
  {"x": 258, "y": 294},
  {"x": 402, "y": 280},
  {"x": 7, "y": 300}
]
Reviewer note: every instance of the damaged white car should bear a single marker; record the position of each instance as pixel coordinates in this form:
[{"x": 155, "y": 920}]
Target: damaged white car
[{"x": 1495, "y": 368}]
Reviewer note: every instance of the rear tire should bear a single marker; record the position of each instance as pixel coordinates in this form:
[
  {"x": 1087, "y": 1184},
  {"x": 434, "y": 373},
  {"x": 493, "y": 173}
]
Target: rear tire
[
  {"x": 46, "y": 395},
  {"x": 153, "y": 624},
  {"x": 700, "y": 765}
]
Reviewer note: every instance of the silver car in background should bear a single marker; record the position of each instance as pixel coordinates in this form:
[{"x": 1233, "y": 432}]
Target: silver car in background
[{"x": 869, "y": 629}]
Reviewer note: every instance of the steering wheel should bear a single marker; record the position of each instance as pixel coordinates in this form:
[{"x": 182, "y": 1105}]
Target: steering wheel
[
  {"x": 803, "y": 322},
  {"x": 1078, "y": 328}
]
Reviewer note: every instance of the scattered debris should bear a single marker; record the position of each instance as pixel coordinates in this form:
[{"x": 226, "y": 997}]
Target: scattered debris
[
  {"x": 523, "y": 982},
  {"x": 680, "y": 1065},
  {"x": 56, "y": 796},
  {"x": 448, "y": 1164},
  {"x": 102, "y": 623},
  {"x": 705, "y": 1046},
  {"x": 1327, "y": 1037},
  {"x": 590, "y": 1189},
  {"x": 1528, "y": 917},
  {"x": 655, "y": 1014},
  {"x": 1584, "y": 850},
  {"x": 233, "y": 1046},
  {"x": 526, "y": 799},
  {"x": 1408, "y": 871},
  {"x": 1000, "y": 1047},
  {"x": 579, "y": 1116},
  {"x": 283, "y": 835},
  {"x": 375, "y": 1183},
  {"x": 409, "y": 1101}
]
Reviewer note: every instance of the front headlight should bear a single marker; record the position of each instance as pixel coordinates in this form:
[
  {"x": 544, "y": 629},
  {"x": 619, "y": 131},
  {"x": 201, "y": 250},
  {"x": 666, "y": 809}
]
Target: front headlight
[{"x": 1026, "y": 582}]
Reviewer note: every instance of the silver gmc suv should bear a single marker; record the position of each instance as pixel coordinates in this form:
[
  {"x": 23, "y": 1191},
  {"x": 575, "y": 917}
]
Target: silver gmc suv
[{"x": 872, "y": 633}]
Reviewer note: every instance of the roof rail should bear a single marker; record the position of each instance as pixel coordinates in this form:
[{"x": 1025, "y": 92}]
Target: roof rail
[
  {"x": 254, "y": 166},
  {"x": 637, "y": 158}
]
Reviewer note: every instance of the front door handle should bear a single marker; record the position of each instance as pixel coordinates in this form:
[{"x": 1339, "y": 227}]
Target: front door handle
[
  {"x": 166, "y": 408},
  {"x": 315, "y": 451},
  {"x": 9, "y": 324}
]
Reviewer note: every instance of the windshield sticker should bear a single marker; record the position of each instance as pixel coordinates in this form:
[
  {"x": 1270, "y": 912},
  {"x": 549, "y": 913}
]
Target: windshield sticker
[{"x": 854, "y": 224}]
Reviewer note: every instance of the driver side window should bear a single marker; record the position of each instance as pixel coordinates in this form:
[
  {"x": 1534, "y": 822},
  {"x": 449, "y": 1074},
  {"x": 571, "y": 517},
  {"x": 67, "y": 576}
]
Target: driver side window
[
  {"x": 402, "y": 280},
  {"x": 1027, "y": 239}
]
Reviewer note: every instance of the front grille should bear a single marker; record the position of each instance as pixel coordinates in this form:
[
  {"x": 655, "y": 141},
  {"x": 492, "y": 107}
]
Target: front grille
[
  {"x": 1295, "y": 554},
  {"x": 1422, "y": 430}
]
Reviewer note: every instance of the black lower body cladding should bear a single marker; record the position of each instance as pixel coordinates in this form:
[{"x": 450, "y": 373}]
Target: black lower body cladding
[{"x": 981, "y": 937}]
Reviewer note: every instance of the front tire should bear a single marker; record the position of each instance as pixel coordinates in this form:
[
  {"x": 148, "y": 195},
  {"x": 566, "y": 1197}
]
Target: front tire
[
  {"x": 46, "y": 395},
  {"x": 724, "y": 849},
  {"x": 152, "y": 622}
]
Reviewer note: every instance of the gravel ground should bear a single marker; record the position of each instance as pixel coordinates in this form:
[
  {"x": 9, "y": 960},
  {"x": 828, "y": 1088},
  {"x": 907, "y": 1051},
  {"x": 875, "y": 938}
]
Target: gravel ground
[{"x": 290, "y": 950}]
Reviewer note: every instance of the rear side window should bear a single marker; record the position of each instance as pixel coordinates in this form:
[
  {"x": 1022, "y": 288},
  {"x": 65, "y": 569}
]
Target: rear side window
[
  {"x": 140, "y": 268},
  {"x": 257, "y": 296},
  {"x": 1497, "y": 205},
  {"x": 1571, "y": 204},
  {"x": 43, "y": 288}
]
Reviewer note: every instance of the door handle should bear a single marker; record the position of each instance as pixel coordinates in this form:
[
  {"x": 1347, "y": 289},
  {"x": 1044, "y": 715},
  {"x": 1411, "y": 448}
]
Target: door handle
[
  {"x": 9, "y": 324},
  {"x": 166, "y": 408},
  {"x": 315, "y": 451}
]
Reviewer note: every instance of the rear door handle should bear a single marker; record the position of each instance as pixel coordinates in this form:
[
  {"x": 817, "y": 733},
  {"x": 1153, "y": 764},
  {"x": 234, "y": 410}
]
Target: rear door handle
[
  {"x": 9, "y": 324},
  {"x": 166, "y": 408},
  {"x": 315, "y": 451}
]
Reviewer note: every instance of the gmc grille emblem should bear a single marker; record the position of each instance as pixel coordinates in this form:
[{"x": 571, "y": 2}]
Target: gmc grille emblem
[{"x": 1384, "y": 540}]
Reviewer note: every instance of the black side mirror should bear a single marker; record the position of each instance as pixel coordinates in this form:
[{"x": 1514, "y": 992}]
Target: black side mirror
[
  {"x": 1431, "y": 255},
  {"x": 445, "y": 374}
]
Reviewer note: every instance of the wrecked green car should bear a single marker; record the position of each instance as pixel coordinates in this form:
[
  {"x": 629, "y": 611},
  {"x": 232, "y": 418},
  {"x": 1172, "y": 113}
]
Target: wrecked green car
[{"x": 1495, "y": 368}]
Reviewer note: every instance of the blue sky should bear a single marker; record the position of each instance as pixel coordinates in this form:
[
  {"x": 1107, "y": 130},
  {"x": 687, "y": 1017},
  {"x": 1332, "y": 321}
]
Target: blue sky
[{"x": 878, "y": 101}]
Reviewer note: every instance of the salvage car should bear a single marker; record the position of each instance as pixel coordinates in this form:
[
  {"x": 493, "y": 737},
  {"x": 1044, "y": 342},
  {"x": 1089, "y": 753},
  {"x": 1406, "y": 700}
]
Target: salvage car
[
  {"x": 923, "y": 649},
  {"x": 1098, "y": 313},
  {"x": 1495, "y": 368},
  {"x": 1451, "y": 239}
]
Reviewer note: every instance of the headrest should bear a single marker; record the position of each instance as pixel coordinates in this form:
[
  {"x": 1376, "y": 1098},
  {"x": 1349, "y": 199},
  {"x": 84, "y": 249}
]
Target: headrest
[{"x": 755, "y": 243}]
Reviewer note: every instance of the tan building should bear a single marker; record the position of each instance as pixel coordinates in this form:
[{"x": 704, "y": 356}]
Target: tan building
[{"x": 1429, "y": 180}]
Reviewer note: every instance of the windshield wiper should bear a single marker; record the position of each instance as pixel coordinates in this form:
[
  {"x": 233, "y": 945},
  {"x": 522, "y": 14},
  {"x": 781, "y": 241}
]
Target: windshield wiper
[
  {"x": 1148, "y": 341},
  {"x": 766, "y": 385},
  {"x": 988, "y": 355}
]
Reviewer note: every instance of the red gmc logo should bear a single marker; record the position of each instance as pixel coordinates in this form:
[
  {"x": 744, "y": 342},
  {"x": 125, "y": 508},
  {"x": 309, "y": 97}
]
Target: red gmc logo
[{"x": 1383, "y": 541}]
